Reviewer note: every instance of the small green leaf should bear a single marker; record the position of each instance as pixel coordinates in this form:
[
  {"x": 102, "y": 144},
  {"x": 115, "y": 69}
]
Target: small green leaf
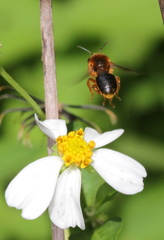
[
  {"x": 104, "y": 193},
  {"x": 81, "y": 235},
  {"x": 108, "y": 231},
  {"x": 22, "y": 92},
  {"x": 91, "y": 181}
]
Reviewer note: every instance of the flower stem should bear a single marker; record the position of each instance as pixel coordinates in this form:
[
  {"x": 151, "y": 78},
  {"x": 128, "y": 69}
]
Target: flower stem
[
  {"x": 48, "y": 58},
  {"x": 161, "y": 5},
  {"x": 22, "y": 92},
  {"x": 50, "y": 86}
]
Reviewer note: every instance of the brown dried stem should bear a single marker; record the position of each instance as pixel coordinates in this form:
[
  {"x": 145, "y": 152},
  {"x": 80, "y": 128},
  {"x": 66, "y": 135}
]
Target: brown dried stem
[
  {"x": 48, "y": 58},
  {"x": 161, "y": 4}
]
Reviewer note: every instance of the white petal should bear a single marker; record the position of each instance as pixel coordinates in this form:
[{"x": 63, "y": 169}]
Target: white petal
[
  {"x": 53, "y": 128},
  {"x": 101, "y": 139},
  {"x": 118, "y": 170},
  {"x": 65, "y": 210},
  {"x": 90, "y": 134},
  {"x": 33, "y": 188}
]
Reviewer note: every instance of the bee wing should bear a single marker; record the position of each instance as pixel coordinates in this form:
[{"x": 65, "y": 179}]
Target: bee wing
[
  {"x": 85, "y": 75},
  {"x": 114, "y": 65}
]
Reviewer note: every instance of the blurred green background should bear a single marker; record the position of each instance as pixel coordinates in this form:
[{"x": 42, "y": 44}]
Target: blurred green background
[{"x": 134, "y": 30}]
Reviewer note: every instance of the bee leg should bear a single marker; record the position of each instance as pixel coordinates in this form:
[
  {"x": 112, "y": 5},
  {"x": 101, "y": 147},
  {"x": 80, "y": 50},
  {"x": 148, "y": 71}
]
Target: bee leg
[
  {"x": 111, "y": 70},
  {"x": 111, "y": 103},
  {"x": 118, "y": 98},
  {"x": 103, "y": 103},
  {"x": 118, "y": 80},
  {"x": 92, "y": 85}
]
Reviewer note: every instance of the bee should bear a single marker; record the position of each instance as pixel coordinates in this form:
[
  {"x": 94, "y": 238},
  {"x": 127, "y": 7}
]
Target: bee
[{"x": 102, "y": 80}]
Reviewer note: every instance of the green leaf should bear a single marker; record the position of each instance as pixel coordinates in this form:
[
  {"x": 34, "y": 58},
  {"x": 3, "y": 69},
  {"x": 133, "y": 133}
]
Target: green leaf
[
  {"x": 91, "y": 182},
  {"x": 22, "y": 92},
  {"x": 81, "y": 235},
  {"x": 104, "y": 193},
  {"x": 108, "y": 231}
]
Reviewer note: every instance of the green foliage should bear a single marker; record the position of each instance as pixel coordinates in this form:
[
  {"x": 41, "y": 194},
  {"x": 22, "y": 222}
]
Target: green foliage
[
  {"x": 109, "y": 230},
  {"x": 21, "y": 92},
  {"x": 134, "y": 30},
  {"x": 104, "y": 193},
  {"x": 81, "y": 235}
]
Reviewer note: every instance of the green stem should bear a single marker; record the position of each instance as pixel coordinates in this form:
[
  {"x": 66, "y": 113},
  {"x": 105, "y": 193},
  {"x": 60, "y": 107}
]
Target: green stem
[{"x": 22, "y": 92}]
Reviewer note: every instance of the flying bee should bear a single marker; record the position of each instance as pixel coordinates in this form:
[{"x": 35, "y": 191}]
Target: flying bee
[
  {"x": 105, "y": 84},
  {"x": 102, "y": 80}
]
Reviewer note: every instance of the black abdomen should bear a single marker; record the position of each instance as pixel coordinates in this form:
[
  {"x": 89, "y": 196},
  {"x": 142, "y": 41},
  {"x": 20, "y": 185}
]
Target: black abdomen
[{"x": 106, "y": 83}]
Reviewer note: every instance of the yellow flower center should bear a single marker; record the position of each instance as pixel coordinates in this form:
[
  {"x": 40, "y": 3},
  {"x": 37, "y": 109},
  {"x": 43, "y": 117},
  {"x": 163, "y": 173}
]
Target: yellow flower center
[{"x": 73, "y": 149}]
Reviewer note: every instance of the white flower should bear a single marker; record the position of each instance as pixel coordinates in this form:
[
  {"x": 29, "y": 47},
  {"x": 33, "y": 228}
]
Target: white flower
[{"x": 40, "y": 185}]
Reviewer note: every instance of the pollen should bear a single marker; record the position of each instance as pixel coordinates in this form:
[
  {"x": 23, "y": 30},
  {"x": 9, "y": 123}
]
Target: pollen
[{"x": 74, "y": 150}]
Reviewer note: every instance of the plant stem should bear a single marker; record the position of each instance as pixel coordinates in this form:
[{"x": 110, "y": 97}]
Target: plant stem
[
  {"x": 50, "y": 86},
  {"x": 48, "y": 58},
  {"x": 161, "y": 5}
]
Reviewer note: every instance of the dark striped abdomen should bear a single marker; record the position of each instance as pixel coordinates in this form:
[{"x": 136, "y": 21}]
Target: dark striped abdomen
[{"x": 106, "y": 83}]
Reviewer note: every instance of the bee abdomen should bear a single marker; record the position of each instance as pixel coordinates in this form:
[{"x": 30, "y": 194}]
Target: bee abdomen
[{"x": 106, "y": 83}]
